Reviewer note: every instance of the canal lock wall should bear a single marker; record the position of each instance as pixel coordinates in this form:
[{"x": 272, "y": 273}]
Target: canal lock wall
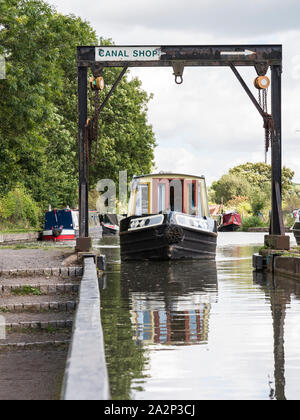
[
  {"x": 86, "y": 376},
  {"x": 277, "y": 262}
]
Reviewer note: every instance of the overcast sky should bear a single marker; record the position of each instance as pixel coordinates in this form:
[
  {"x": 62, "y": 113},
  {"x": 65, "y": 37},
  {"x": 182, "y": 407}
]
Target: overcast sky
[{"x": 207, "y": 124}]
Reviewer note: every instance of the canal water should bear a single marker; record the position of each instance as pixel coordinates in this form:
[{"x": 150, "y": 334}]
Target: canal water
[{"x": 200, "y": 330}]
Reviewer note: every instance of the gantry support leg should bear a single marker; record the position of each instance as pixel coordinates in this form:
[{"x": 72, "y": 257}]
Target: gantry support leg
[
  {"x": 83, "y": 243},
  {"x": 277, "y": 238}
]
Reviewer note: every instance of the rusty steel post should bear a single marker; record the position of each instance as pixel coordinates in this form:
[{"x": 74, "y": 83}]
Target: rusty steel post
[
  {"x": 82, "y": 153},
  {"x": 277, "y": 227}
]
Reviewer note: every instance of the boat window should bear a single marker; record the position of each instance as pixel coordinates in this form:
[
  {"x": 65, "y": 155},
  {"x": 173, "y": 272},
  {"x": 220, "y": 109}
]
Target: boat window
[
  {"x": 145, "y": 222},
  {"x": 172, "y": 203},
  {"x": 161, "y": 197},
  {"x": 176, "y": 195},
  {"x": 142, "y": 200},
  {"x": 204, "y": 199},
  {"x": 192, "y": 198},
  {"x": 200, "y": 213},
  {"x": 193, "y": 222}
]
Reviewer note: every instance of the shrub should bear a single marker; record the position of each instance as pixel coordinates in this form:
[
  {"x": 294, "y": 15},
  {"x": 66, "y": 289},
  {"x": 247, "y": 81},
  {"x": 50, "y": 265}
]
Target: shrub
[
  {"x": 19, "y": 209},
  {"x": 244, "y": 209},
  {"x": 252, "y": 221},
  {"x": 240, "y": 204},
  {"x": 260, "y": 200}
]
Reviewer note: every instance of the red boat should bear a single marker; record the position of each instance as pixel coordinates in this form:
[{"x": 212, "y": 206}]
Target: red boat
[{"x": 230, "y": 222}]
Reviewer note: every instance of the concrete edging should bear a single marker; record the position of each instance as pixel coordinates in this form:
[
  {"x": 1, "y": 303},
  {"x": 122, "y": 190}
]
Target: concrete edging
[
  {"x": 19, "y": 237},
  {"x": 86, "y": 375},
  {"x": 289, "y": 266},
  {"x": 72, "y": 271},
  {"x": 69, "y": 306}
]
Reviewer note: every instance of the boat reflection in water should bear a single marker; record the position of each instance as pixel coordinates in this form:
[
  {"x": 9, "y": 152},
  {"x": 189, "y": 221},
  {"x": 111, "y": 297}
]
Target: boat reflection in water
[{"x": 170, "y": 303}]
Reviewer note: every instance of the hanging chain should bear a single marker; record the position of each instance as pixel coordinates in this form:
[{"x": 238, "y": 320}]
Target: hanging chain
[
  {"x": 262, "y": 83},
  {"x": 268, "y": 119},
  {"x": 259, "y": 98},
  {"x": 265, "y": 100},
  {"x": 91, "y": 131},
  {"x": 268, "y": 123}
]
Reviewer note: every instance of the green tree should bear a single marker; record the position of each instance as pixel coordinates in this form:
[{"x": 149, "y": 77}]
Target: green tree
[
  {"x": 38, "y": 107},
  {"x": 27, "y": 94},
  {"x": 292, "y": 199},
  {"x": 229, "y": 186},
  {"x": 259, "y": 174},
  {"x": 260, "y": 199},
  {"x": 252, "y": 180},
  {"x": 126, "y": 141}
]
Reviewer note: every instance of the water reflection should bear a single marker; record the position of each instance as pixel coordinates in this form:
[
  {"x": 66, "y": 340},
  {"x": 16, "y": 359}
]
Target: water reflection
[
  {"x": 278, "y": 290},
  {"x": 170, "y": 303},
  {"x": 189, "y": 330}
]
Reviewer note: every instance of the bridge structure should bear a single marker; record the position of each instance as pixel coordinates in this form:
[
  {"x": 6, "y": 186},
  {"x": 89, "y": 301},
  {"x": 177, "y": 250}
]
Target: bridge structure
[{"x": 261, "y": 57}]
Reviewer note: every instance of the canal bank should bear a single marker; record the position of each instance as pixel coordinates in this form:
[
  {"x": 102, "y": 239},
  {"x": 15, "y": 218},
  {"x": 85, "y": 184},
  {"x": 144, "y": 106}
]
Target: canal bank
[{"x": 38, "y": 299}]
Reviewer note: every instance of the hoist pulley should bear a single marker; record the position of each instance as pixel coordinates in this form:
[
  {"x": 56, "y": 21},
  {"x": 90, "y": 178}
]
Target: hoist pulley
[
  {"x": 178, "y": 68},
  {"x": 262, "y": 82},
  {"x": 96, "y": 83}
]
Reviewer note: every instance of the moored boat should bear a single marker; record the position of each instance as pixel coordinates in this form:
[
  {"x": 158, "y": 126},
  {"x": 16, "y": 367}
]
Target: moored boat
[
  {"x": 231, "y": 221},
  {"x": 296, "y": 232},
  {"x": 296, "y": 227},
  {"x": 110, "y": 224},
  {"x": 168, "y": 219},
  {"x": 61, "y": 225}
]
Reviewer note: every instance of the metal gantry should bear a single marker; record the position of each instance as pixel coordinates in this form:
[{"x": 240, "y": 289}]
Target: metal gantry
[{"x": 261, "y": 57}]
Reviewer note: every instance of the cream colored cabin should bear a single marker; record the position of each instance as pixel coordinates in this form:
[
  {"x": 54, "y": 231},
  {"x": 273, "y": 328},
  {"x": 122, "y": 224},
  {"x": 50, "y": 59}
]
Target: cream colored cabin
[{"x": 152, "y": 194}]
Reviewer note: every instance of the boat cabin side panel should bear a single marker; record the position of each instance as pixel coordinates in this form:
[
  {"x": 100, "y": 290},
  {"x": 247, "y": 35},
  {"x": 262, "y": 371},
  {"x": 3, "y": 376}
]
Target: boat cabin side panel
[{"x": 152, "y": 195}]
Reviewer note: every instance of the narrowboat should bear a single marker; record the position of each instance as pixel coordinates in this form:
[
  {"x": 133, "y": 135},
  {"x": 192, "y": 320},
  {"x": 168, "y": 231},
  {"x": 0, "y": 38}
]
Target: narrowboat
[
  {"x": 109, "y": 224},
  {"x": 231, "y": 222},
  {"x": 168, "y": 219},
  {"x": 61, "y": 225},
  {"x": 296, "y": 227}
]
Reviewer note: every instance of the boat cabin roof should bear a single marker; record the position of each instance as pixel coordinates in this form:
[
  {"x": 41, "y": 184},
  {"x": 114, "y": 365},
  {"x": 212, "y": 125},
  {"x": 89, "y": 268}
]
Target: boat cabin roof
[{"x": 169, "y": 175}]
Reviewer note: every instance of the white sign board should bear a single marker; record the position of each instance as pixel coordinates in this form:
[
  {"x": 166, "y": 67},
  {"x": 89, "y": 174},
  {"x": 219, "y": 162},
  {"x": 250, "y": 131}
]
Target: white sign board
[{"x": 127, "y": 53}]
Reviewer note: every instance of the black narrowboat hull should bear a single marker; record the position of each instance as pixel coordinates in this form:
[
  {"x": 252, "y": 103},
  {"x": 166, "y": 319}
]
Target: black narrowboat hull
[
  {"x": 232, "y": 227},
  {"x": 296, "y": 232},
  {"x": 167, "y": 242},
  {"x": 109, "y": 231},
  {"x": 297, "y": 236}
]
